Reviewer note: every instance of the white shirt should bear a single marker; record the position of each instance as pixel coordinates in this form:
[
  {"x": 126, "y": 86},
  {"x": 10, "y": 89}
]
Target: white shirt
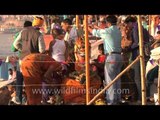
[
  {"x": 52, "y": 25},
  {"x": 10, "y": 77},
  {"x": 155, "y": 56},
  {"x": 150, "y": 66},
  {"x": 71, "y": 36},
  {"x": 58, "y": 50}
]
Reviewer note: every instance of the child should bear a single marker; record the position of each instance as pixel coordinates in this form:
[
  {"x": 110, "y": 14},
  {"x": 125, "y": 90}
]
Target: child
[
  {"x": 10, "y": 74},
  {"x": 58, "y": 51},
  {"x": 101, "y": 57},
  {"x": 14, "y": 73},
  {"x": 100, "y": 61},
  {"x": 57, "y": 47}
]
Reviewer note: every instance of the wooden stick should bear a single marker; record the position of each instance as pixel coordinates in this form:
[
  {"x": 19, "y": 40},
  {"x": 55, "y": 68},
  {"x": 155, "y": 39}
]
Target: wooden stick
[
  {"x": 114, "y": 80},
  {"x": 158, "y": 89},
  {"x": 153, "y": 25},
  {"x": 96, "y": 17},
  {"x": 149, "y": 25},
  {"x": 77, "y": 21},
  {"x": 45, "y": 24},
  {"x": 142, "y": 64},
  {"x": 87, "y": 59}
]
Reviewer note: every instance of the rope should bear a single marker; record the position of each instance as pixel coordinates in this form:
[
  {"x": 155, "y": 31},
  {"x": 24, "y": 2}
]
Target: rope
[{"x": 66, "y": 85}]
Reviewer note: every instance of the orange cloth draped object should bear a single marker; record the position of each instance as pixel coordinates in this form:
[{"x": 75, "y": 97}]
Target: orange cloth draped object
[
  {"x": 33, "y": 68},
  {"x": 75, "y": 92}
]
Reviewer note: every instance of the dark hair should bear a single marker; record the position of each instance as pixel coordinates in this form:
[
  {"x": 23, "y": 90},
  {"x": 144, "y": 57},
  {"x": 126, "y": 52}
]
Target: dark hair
[
  {"x": 143, "y": 18},
  {"x": 103, "y": 22},
  {"x": 101, "y": 47},
  {"x": 158, "y": 32},
  {"x": 112, "y": 19},
  {"x": 10, "y": 69},
  {"x": 68, "y": 21},
  {"x": 56, "y": 32},
  {"x": 27, "y": 24},
  {"x": 130, "y": 19},
  {"x": 55, "y": 21}
]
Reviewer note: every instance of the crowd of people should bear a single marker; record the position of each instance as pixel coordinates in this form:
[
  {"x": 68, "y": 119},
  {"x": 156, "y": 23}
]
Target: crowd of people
[{"x": 40, "y": 66}]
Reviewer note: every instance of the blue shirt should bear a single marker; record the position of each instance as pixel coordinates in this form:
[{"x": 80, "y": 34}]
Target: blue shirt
[{"x": 112, "y": 38}]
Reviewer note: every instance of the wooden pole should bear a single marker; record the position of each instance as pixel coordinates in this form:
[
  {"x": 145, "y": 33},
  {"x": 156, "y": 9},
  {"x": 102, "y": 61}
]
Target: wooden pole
[
  {"x": 45, "y": 24},
  {"x": 149, "y": 25},
  {"x": 153, "y": 25},
  {"x": 114, "y": 80},
  {"x": 96, "y": 18},
  {"x": 77, "y": 21},
  {"x": 142, "y": 63},
  {"x": 87, "y": 59},
  {"x": 159, "y": 85}
]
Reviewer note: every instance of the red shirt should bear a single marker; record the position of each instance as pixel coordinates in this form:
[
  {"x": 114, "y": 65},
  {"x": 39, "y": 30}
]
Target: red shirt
[{"x": 101, "y": 58}]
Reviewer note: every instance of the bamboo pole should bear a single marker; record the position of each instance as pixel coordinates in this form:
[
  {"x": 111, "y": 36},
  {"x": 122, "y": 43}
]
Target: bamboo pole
[
  {"x": 153, "y": 25},
  {"x": 96, "y": 17},
  {"x": 114, "y": 80},
  {"x": 149, "y": 25},
  {"x": 142, "y": 64},
  {"x": 87, "y": 59},
  {"x": 77, "y": 21},
  {"x": 159, "y": 85},
  {"x": 45, "y": 24}
]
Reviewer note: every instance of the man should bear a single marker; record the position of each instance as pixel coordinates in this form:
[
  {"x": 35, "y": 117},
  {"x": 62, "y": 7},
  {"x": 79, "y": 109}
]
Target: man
[
  {"x": 26, "y": 24},
  {"x": 30, "y": 40},
  {"x": 19, "y": 79},
  {"x": 113, "y": 63},
  {"x": 71, "y": 32},
  {"x": 71, "y": 36},
  {"x": 132, "y": 24}
]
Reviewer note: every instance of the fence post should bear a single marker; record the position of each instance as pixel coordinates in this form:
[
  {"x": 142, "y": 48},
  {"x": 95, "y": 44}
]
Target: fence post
[{"x": 142, "y": 63}]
